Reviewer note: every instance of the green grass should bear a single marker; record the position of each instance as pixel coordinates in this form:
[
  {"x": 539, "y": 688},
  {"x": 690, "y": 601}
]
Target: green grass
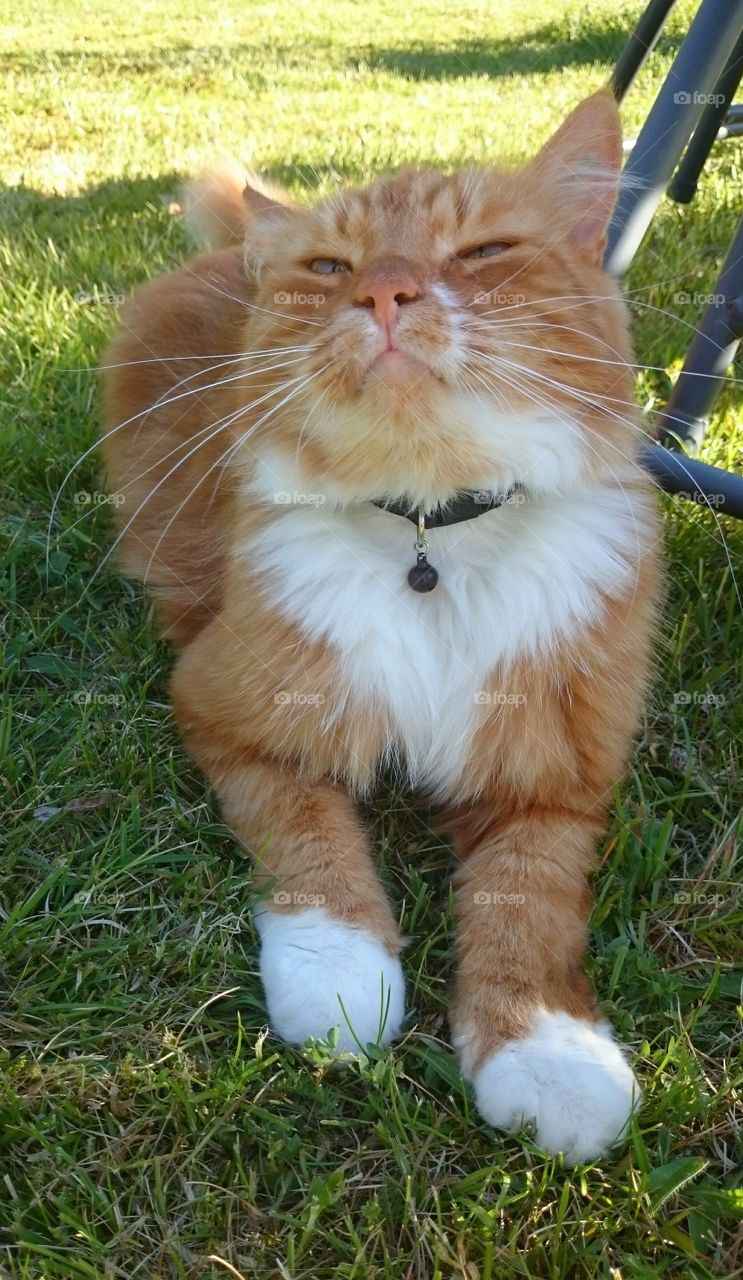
[{"x": 149, "y": 1125}]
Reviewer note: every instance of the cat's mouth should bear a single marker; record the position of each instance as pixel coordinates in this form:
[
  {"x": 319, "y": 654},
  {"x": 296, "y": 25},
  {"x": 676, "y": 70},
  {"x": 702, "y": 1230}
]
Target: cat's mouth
[
  {"x": 394, "y": 360},
  {"x": 394, "y": 365}
]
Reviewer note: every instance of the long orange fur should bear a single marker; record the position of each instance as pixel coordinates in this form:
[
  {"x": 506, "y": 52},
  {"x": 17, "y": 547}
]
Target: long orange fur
[{"x": 533, "y": 798}]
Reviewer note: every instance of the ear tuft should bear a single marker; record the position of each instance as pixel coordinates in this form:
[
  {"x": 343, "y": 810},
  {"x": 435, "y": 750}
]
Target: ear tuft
[{"x": 582, "y": 161}]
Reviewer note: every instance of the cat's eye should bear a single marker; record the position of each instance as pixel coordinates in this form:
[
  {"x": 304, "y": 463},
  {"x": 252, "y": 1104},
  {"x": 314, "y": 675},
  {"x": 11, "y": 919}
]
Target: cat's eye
[
  {"x": 490, "y": 250},
  {"x": 330, "y": 266}
]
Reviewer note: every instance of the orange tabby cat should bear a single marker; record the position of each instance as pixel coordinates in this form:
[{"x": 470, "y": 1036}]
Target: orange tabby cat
[{"x": 279, "y": 408}]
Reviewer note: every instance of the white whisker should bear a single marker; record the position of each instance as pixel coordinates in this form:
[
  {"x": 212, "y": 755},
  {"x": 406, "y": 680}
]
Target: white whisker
[
  {"x": 224, "y": 458},
  {"x": 528, "y": 374},
  {"x": 215, "y": 431},
  {"x": 251, "y": 306},
  {"x": 158, "y": 404}
]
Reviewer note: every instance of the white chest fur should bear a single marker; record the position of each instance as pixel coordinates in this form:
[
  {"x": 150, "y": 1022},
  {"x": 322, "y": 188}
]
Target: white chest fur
[{"x": 511, "y": 584}]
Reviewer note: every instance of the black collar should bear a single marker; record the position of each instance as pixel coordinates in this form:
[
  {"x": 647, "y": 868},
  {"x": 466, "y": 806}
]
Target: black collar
[{"x": 465, "y": 507}]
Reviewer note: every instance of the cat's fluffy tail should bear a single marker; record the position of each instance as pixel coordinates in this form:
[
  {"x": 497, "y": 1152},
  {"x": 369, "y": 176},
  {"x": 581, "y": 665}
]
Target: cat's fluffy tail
[{"x": 214, "y": 208}]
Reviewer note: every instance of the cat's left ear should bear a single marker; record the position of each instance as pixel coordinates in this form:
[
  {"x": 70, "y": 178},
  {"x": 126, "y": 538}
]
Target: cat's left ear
[
  {"x": 261, "y": 196},
  {"x": 582, "y": 163}
]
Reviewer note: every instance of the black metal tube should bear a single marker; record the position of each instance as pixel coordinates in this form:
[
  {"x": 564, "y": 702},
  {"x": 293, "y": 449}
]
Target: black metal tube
[
  {"x": 696, "y": 69},
  {"x": 639, "y": 45},
  {"x": 684, "y": 185},
  {"x": 709, "y": 356},
  {"x": 711, "y": 487}
]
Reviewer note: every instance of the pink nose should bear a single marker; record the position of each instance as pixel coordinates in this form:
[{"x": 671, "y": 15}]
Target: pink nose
[{"x": 385, "y": 295}]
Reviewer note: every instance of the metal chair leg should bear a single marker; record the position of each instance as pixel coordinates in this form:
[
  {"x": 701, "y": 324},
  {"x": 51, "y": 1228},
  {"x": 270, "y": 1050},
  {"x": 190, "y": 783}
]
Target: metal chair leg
[
  {"x": 707, "y": 53},
  {"x": 696, "y": 70},
  {"x": 711, "y": 487},
  {"x": 712, "y": 349},
  {"x": 640, "y": 44},
  {"x": 684, "y": 185}
]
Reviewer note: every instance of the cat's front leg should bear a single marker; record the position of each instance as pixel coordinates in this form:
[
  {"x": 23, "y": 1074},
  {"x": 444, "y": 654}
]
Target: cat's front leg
[
  {"x": 524, "y": 1018},
  {"x": 329, "y": 942}
]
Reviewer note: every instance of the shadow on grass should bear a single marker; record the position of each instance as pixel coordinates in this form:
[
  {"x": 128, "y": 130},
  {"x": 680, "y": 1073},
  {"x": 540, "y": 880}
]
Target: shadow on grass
[
  {"x": 562, "y": 43},
  {"x": 21, "y": 206},
  {"x": 547, "y": 48}
]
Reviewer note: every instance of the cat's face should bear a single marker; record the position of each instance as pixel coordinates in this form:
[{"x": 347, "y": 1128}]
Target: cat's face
[{"x": 449, "y": 331}]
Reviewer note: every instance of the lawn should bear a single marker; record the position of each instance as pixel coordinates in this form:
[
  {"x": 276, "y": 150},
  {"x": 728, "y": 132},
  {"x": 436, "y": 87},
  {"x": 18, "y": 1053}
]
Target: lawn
[{"x": 149, "y": 1125}]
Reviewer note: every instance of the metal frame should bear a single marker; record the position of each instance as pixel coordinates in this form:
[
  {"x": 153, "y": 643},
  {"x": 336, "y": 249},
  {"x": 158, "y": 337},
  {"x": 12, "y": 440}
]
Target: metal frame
[
  {"x": 713, "y": 347},
  {"x": 714, "y": 117},
  {"x": 640, "y": 44},
  {"x": 695, "y": 99}
]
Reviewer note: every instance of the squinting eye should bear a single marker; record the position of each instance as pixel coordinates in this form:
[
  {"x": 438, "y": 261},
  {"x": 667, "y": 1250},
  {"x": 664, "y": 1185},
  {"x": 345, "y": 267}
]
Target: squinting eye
[
  {"x": 329, "y": 266},
  {"x": 488, "y": 250}
]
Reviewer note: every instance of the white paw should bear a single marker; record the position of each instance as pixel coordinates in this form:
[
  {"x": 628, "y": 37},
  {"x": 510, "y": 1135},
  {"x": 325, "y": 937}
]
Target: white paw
[
  {"x": 320, "y": 973},
  {"x": 568, "y": 1078}
]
